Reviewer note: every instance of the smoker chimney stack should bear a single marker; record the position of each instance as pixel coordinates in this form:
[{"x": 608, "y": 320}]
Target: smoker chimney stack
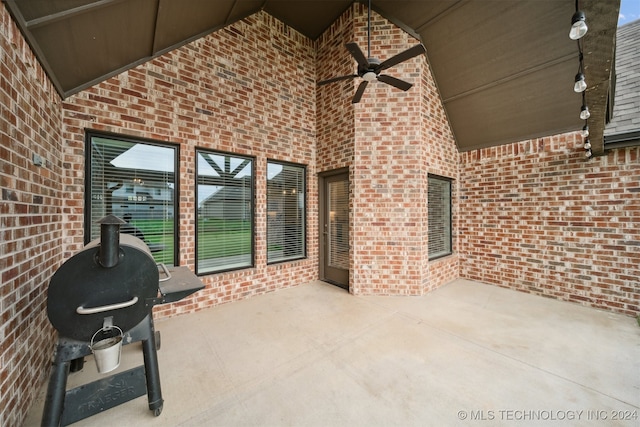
[{"x": 109, "y": 241}]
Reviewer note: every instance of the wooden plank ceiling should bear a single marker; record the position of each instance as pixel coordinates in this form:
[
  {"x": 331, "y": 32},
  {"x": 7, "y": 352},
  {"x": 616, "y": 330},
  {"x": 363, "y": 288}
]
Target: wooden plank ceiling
[{"x": 504, "y": 69}]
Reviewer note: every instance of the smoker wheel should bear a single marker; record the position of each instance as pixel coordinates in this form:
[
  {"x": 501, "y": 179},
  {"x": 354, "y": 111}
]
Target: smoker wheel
[
  {"x": 158, "y": 341},
  {"x": 157, "y": 411}
]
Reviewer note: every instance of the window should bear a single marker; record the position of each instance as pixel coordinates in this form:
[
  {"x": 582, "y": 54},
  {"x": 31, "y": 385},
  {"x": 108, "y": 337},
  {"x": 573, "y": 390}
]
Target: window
[
  {"x": 134, "y": 180},
  {"x": 286, "y": 206},
  {"x": 439, "y": 202},
  {"x": 224, "y": 230}
]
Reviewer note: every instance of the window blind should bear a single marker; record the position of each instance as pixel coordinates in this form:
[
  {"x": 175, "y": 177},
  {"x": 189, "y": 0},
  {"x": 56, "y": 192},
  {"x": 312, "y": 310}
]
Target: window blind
[
  {"x": 338, "y": 224},
  {"x": 439, "y": 209},
  {"x": 286, "y": 206},
  {"x": 136, "y": 182},
  {"x": 225, "y": 212}
]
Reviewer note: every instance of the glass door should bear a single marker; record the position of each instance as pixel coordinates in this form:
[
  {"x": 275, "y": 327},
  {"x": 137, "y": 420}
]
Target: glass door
[{"x": 335, "y": 230}]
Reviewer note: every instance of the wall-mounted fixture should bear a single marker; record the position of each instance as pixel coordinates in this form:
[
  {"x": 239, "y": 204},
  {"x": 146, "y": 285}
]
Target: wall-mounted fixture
[{"x": 38, "y": 160}]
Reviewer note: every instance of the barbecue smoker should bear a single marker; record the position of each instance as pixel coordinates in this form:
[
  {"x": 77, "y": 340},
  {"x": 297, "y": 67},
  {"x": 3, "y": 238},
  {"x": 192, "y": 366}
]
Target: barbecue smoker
[{"x": 98, "y": 300}]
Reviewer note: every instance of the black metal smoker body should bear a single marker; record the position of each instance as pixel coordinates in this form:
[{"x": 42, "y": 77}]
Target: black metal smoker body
[{"x": 112, "y": 282}]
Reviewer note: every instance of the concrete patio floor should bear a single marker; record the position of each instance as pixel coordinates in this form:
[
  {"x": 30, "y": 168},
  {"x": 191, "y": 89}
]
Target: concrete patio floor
[{"x": 467, "y": 354}]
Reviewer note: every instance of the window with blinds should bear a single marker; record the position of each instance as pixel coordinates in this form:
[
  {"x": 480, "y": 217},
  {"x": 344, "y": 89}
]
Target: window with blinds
[
  {"x": 224, "y": 194},
  {"x": 286, "y": 206},
  {"x": 439, "y": 202},
  {"x": 135, "y": 181}
]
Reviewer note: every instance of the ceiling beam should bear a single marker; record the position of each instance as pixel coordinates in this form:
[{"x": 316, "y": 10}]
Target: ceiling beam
[
  {"x": 60, "y": 16},
  {"x": 439, "y": 16}
]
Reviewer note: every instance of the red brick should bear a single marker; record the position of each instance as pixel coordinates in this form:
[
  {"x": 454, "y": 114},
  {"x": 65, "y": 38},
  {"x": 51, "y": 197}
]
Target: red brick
[
  {"x": 590, "y": 227},
  {"x": 533, "y": 216}
]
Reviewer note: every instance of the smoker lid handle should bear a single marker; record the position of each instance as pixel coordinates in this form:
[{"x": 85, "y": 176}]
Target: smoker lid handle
[
  {"x": 165, "y": 270},
  {"x": 93, "y": 310}
]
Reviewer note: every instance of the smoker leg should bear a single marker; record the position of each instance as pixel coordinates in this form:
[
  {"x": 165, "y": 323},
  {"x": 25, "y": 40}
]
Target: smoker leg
[
  {"x": 56, "y": 391},
  {"x": 154, "y": 393}
]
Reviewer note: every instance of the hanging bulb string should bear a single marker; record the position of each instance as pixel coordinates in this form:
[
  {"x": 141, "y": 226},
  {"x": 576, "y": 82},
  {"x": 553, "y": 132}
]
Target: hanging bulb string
[
  {"x": 584, "y": 110},
  {"x": 580, "y": 63},
  {"x": 580, "y": 57}
]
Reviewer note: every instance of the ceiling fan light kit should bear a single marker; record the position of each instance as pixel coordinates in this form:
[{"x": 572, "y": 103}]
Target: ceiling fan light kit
[
  {"x": 369, "y": 68},
  {"x": 369, "y": 76}
]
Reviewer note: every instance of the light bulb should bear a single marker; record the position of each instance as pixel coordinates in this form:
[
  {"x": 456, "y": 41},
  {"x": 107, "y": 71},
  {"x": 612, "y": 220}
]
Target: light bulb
[
  {"x": 587, "y": 145},
  {"x": 584, "y": 112},
  {"x": 580, "y": 85},
  {"x": 588, "y": 154},
  {"x": 585, "y": 131},
  {"x": 578, "y": 26}
]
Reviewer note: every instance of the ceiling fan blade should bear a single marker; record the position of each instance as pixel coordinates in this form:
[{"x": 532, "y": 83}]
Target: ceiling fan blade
[
  {"x": 400, "y": 84},
  {"x": 357, "y": 54},
  {"x": 401, "y": 57},
  {"x": 359, "y": 92},
  {"x": 337, "y": 79}
]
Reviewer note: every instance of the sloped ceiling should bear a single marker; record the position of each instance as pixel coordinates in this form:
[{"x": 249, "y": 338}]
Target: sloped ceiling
[{"x": 505, "y": 69}]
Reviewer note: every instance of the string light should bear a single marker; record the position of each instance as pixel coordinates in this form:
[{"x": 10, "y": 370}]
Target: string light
[
  {"x": 585, "y": 130},
  {"x": 578, "y": 30},
  {"x": 584, "y": 112},
  {"x": 580, "y": 85},
  {"x": 578, "y": 25}
]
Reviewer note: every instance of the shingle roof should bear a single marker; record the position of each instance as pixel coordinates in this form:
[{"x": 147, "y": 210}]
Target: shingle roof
[{"x": 626, "y": 112}]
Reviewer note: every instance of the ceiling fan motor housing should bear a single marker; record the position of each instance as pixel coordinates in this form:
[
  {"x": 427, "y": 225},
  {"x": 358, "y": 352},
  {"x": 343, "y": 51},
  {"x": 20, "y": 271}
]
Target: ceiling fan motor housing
[{"x": 369, "y": 73}]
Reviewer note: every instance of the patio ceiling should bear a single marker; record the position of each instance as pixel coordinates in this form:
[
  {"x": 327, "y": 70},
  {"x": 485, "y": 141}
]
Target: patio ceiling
[{"x": 504, "y": 69}]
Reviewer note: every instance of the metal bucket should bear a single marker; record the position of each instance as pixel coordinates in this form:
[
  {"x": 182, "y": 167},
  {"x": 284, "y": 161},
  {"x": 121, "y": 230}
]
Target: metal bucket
[{"x": 106, "y": 352}]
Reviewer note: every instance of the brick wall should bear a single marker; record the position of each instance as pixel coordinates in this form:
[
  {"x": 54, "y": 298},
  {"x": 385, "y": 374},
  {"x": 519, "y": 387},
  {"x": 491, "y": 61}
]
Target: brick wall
[
  {"x": 441, "y": 158},
  {"x": 534, "y": 216},
  {"x": 247, "y": 89},
  {"x": 388, "y": 173},
  {"x": 30, "y": 230},
  {"x": 391, "y": 141},
  {"x": 334, "y": 111},
  {"x": 540, "y": 218}
]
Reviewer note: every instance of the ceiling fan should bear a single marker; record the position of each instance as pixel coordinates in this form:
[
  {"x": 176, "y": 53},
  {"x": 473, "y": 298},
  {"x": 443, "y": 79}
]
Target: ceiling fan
[{"x": 369, "y": 68}]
